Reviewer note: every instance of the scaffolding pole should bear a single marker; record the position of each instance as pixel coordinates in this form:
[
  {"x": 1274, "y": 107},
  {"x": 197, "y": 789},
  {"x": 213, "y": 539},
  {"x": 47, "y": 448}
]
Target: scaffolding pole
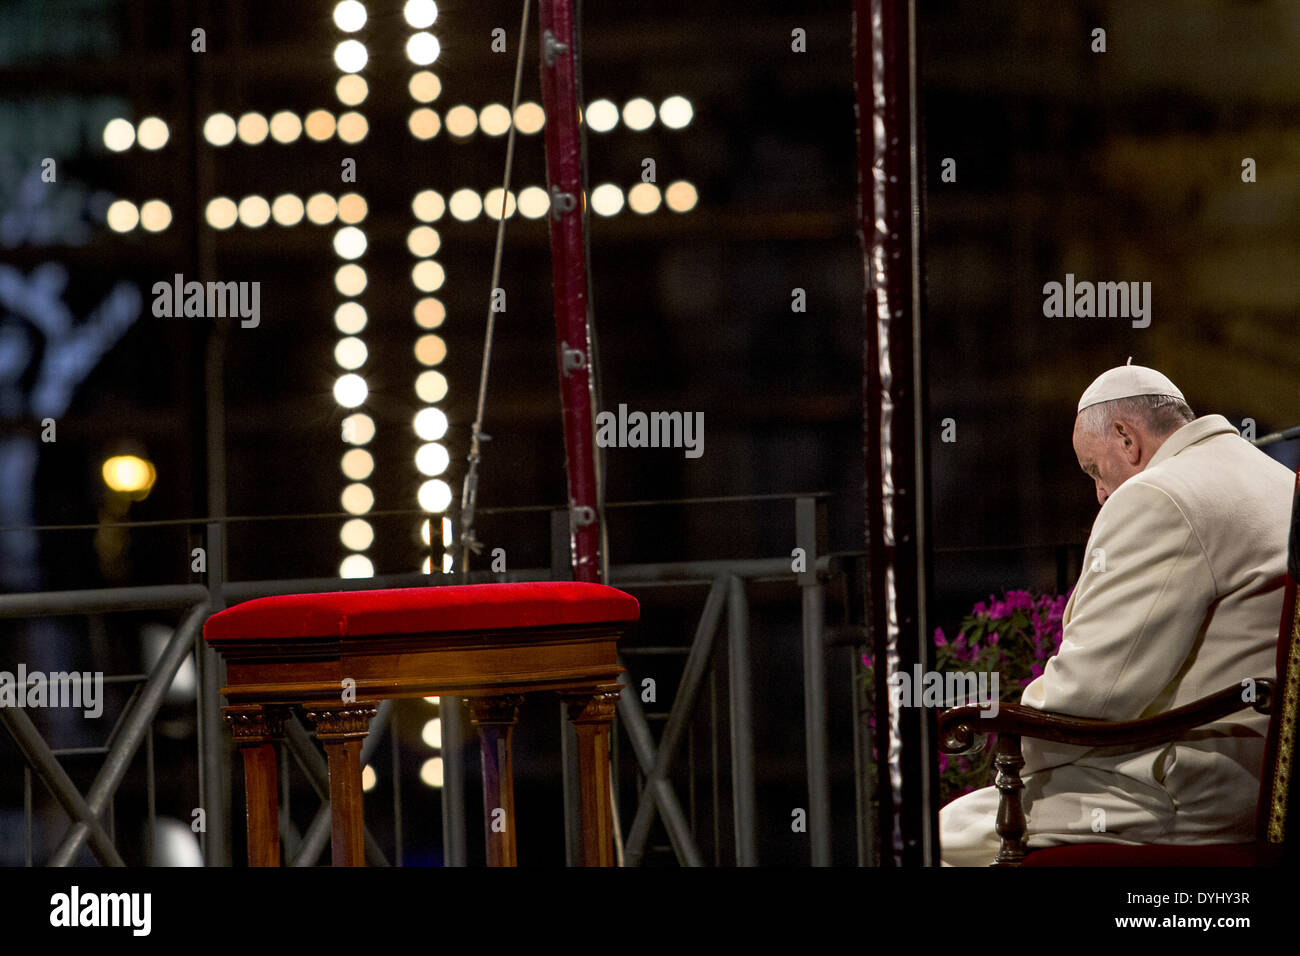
[
  {"x": 559, "y": 71},
  {"x": 894, "y": 401}
]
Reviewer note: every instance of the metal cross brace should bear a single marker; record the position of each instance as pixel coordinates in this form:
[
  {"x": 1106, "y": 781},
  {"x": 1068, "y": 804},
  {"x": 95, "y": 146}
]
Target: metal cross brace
[
  {"x": 56, "y": 780},
  {"x": 658, "y": 792},
  {"x": 125, "y": 741}
]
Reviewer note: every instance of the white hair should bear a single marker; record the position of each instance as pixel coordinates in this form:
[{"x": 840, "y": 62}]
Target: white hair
[{"x": 1159, "y": 414}]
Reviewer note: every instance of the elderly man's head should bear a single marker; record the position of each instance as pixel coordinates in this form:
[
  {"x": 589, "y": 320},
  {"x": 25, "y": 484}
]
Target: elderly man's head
[{"x": 1115, "y": 440}]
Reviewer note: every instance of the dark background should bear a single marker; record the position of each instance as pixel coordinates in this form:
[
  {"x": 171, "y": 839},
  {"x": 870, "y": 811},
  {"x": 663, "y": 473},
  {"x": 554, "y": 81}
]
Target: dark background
[{"x": 1115, "y": 166}]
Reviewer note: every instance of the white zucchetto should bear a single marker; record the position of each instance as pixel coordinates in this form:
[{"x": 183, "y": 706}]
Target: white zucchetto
[{"x": 1127, "y": 381}]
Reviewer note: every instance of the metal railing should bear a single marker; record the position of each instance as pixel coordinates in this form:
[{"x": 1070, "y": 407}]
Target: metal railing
[{"x": 726, "y": 582}]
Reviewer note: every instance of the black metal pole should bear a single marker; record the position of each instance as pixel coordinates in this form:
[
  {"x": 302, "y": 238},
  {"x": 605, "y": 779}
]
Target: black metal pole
[
  {"x": 742, "y": 722},
  {"x": 809, "y": 536}
]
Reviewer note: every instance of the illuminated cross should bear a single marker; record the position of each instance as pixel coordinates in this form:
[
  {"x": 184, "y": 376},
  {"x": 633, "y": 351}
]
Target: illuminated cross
[{"x": 428, "y": 206}]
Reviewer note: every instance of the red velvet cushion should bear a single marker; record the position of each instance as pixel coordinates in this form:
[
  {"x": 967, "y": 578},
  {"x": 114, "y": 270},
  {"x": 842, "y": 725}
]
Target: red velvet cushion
[
  {"x": 462, "y": 607},
  {"x": 1109, "y": 854}
]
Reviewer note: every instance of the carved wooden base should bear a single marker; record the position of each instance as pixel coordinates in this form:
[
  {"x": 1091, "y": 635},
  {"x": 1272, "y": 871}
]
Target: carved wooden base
[
  {"x": 495, "y": 719},
  {"x": 592, "y": 715},
  {"x": 257, "y": 729},
  {"x": 341, "y": 728}
]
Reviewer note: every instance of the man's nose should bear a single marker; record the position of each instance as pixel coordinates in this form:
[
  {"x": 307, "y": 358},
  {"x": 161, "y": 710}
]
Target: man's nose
[{"x": 1101, "y": 494}]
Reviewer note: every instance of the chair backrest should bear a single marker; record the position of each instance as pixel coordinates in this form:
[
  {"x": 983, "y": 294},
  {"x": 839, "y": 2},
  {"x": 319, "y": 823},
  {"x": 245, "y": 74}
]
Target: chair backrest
[{"x": 1276, "y": 814}]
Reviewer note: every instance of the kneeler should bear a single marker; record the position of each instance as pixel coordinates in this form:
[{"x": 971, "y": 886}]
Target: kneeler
[
  {"x": 960, "y": 729},
  {"x": 335, "y": 655}
]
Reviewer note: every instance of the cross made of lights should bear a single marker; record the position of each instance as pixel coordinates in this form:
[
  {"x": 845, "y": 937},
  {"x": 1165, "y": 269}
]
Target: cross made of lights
[{"x": 349, "y": 209}]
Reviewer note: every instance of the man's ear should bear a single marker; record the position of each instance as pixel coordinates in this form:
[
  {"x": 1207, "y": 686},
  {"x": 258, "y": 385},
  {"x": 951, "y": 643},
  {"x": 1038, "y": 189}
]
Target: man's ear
[{"x": 1131, "y": 440}]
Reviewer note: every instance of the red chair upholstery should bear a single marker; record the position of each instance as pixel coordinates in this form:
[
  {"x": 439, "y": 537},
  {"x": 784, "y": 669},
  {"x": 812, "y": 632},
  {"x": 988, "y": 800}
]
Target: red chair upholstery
[
  {"x": 334, "y": 655},
  {"x": 463, "y": 607},
  {"x": 1104, "y": 854}
]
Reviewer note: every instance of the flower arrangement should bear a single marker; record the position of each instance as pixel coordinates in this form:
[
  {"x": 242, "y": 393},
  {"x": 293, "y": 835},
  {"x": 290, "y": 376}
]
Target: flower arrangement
[{"x": 1013, "y": 637}]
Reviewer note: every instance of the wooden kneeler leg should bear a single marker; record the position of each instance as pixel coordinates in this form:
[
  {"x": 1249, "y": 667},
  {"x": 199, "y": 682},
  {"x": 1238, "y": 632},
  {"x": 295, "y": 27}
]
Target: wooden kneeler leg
[
  {"x": 257, "y": 729},
  {"x": 341, "y": 728},
  {"x": 591, "y": 715},
  {"x": 495, "y": 719}
]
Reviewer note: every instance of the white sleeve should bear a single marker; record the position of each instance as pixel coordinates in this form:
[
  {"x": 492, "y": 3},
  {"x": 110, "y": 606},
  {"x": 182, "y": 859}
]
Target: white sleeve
[{"x": 1139, "y": 608}]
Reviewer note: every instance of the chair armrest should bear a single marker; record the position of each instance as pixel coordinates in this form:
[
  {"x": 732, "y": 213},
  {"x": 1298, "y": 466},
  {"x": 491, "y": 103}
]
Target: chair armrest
[
  {"x": 960, "y": 727},
  {"x": 964, "y": 729}
]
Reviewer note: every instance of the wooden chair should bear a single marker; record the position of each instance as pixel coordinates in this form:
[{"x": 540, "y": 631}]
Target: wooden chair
[
  {"x": 336, "y": 655},
  {"x": 960, "y": 730}
]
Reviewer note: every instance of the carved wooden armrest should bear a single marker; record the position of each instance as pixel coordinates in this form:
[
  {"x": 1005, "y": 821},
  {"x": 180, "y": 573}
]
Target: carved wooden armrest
[{"x": 964, "y": 730}]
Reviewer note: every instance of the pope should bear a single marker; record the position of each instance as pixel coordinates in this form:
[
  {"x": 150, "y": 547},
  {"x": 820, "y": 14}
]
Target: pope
[{"x": 1180, "y": 596}]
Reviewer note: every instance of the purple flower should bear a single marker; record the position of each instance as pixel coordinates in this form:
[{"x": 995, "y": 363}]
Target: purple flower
[
  {"x": 1001, "y": 646},
  {"x": 868, "y": 661},
  {"x": 1020, "y": 600},
  {"x": 943, "y": 763}
]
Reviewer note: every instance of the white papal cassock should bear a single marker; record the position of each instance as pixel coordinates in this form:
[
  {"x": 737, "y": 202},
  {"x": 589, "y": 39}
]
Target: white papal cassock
[{"x": 1180, "y": 597}]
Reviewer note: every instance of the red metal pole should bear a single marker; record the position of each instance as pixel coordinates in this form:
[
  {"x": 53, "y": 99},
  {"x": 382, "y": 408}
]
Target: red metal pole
[{"x": 569, "y": 269}]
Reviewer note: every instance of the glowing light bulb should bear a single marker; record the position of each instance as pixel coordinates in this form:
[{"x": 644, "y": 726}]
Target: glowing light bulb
[
  {"x": 128, "y": 473},
  {"x": 119, "y": 135},
  {"x": 350, "y": 16},
  {"x": 152, "y": 133},
  {"x": 350, "y": 390}
]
